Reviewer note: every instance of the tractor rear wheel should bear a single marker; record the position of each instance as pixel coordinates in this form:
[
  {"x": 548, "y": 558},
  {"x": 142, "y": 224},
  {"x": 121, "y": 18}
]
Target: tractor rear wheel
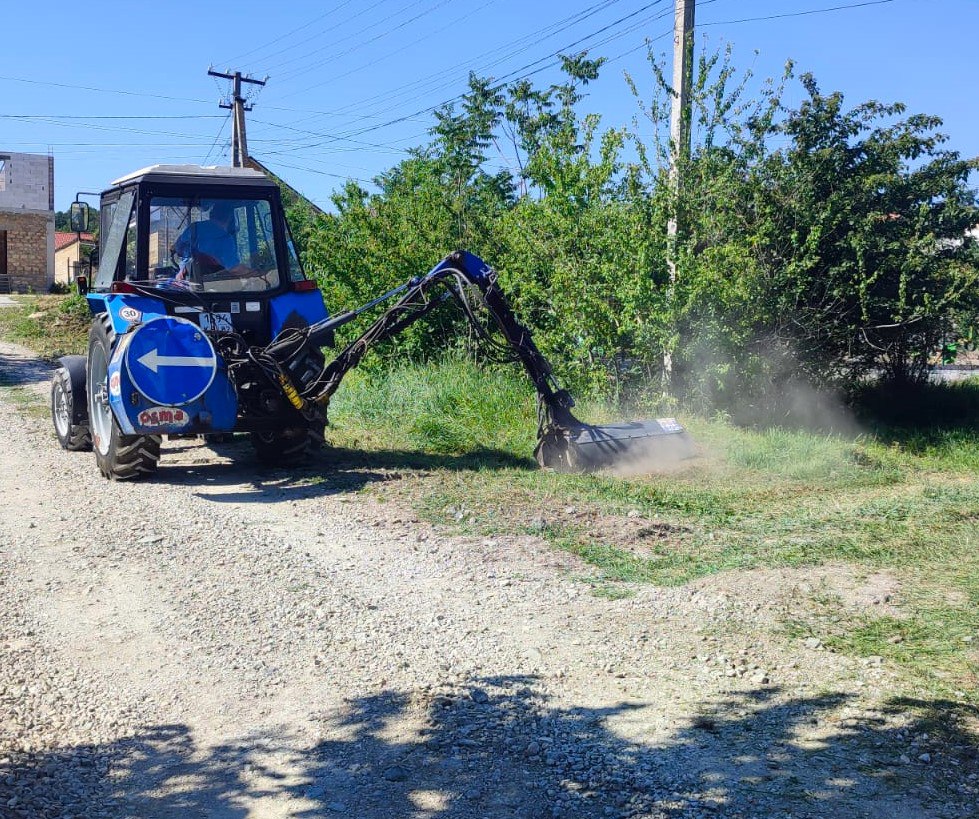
[
  {"x": 120, "y": 457},
  {"x": 289, "y": 447},
  {"x": 73, "y": 437}
]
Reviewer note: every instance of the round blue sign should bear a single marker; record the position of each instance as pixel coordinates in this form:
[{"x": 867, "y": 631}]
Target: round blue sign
[{"x": 171, "y": 361}]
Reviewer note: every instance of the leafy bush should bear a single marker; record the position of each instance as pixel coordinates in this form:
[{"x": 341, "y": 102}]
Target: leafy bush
[{"x": 818, "y": 245}]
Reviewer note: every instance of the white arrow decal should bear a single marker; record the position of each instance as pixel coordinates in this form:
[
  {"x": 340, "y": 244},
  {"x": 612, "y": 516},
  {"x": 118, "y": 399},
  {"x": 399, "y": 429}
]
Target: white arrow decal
[{"x": 153, "y": 360}]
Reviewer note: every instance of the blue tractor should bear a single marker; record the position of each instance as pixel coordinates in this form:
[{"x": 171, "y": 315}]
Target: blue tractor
[{"x": 204, "y": 323}]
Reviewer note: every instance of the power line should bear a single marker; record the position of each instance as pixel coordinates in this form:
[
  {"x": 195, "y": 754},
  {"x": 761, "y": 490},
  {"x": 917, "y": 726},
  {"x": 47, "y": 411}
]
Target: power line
[
  {"x": 111, "y": 128},
  {"x": 336, "y": 137},
  {"x": 359, "y": 32},
  {"x": 114, "y": 144},
  {"x": 531, "y": 39},
  {"x": 360, "y": 13},
  {"x": 524, "y": 73},
  {"x": 511, "y": 74},
  {"x": 399, "y": 93},
  {"x": 363, "y": 43},
  {"x": 110, "y": 116},
  {"x": 521, "y": 71},
  {"x": 102, "y": 90},
  {"x": 356, "y": 142},
  {"x": 798, "y": 13},
  {"x": 288, "y": 33},
  {"x": 320, "y": 173},
  {"x": 389, "y": 53},
  {"x": 207, "y": 156}
]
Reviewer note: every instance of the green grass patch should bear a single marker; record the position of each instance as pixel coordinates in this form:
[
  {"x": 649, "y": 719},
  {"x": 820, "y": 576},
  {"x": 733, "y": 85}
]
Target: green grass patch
[
  {"x": 52, "y": 326},
  {"x": 446, "y": 408}
]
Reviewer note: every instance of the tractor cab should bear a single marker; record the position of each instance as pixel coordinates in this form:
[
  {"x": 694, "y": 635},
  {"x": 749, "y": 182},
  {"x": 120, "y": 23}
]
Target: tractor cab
[{"x": 210, "y": 243}]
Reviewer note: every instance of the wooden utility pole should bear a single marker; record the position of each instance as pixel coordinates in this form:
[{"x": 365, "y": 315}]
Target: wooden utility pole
[
  {"x": 238, "y": 106},
  {"x": 680, "y": 116}
]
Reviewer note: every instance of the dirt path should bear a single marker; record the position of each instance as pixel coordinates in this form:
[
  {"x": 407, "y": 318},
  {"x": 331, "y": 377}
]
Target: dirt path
[{"x": 227, "y": 641}]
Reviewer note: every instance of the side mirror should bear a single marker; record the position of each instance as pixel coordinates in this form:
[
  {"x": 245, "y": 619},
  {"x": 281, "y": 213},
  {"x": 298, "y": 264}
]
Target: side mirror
[{"x": 79, "y": 216}]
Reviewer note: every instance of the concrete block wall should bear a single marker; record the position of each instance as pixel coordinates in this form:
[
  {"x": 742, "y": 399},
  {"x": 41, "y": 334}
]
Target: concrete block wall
[{"x": 26, "y": 182}]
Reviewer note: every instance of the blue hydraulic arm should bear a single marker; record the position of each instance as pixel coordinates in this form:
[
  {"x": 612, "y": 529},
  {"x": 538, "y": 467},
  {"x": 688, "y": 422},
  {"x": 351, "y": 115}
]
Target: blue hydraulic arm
[
  {"x": 564, "y": 442},
  {"x": 449, "y": 278}
]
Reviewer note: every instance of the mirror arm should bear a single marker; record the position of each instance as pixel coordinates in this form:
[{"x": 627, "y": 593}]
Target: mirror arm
[{"x": 78, "y": 201}]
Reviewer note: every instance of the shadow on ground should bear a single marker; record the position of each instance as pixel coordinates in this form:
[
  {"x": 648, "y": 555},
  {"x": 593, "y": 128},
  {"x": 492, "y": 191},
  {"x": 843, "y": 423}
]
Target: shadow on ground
[
  {"x": 20, "y": 372},
  {"x": 502, "y": 749},
  {"x": 335, "y": 470}
]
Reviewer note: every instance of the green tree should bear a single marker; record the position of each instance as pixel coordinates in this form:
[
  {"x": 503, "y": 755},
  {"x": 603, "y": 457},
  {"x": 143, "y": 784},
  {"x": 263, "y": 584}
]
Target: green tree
[
  {"x": 818, "y": 242},
  {"x": 863, "y": 237}
]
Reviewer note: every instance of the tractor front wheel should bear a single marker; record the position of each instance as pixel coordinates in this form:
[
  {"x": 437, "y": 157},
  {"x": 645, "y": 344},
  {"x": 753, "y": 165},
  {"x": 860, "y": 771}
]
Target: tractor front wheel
[
  {"x": 120, "y": 457},
  {"x": 290, "y": 447}
]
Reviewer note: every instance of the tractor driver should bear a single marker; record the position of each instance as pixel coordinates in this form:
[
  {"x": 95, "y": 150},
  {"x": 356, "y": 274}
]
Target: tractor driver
[{"x": 211, "y": 242}]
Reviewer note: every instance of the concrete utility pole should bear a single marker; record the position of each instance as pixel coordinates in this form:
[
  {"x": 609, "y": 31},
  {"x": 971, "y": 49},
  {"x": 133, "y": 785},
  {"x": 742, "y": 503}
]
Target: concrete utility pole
[
  {"x": 239, "y": 144},
  {"x": 683, "y": 24}
]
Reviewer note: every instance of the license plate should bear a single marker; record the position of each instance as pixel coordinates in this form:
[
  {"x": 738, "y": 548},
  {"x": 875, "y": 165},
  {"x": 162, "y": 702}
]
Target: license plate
[{"x": 220, "y": 322}]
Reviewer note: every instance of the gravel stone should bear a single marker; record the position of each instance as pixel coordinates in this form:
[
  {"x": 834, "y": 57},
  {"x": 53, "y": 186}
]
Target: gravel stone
[{"x": 228, "y": 640}]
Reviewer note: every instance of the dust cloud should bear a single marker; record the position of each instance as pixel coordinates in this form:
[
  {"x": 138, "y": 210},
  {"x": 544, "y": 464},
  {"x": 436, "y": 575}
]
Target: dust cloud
[{"x": 785, "y": 400}]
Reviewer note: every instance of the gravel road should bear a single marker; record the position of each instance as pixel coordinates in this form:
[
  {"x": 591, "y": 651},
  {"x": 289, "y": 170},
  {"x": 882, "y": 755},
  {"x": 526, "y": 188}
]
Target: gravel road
[{"x": 228, "y": 641}]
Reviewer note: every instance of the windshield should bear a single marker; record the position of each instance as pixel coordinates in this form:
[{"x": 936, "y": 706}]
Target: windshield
[{"x": 212, "y": 245}]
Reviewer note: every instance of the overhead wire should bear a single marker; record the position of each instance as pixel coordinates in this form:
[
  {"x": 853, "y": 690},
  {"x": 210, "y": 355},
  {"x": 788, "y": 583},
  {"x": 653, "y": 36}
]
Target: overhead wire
[
  {"x": 207, "y": 156},
  {"x": 797, "y": 13},
  {"x": 287, "y": 34},
  {"x": 320, "y": 49},
  {"x": 389, "y": 53},
  {"x": 350, "y": 135},
  {"x": 515, "y": 47},
  {"x": 111, "y": 116},
  {"x": 281, "y": 164},
  {"x": 123, "y": 92},
  {"x": 511, "y": 74},
  {"x": 362, "y": 43},
  {"x": 358, "y": 143},
  {"x": 112, "y": 128},
  {"x": 523, "y": 71},
  {"x": 285, "y": 50}
]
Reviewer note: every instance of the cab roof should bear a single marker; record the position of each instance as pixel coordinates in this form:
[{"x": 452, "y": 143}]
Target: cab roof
[{"x": 224, "y": 175}]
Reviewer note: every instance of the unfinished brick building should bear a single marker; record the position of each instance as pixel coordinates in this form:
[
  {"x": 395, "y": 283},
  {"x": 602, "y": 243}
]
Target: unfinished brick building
[{"x": 26, "y": 222}]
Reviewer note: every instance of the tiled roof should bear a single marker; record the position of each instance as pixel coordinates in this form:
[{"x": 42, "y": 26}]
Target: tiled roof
[{"x": 64, "y": 239}]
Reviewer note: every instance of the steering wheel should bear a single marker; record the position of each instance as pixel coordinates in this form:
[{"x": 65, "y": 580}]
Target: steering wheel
[
  {"x": 204, "y": 264},
  {"x": 207, "y": 264}
]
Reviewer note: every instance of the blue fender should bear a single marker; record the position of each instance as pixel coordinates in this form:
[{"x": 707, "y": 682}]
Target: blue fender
[{"x": 216, "y": 410}]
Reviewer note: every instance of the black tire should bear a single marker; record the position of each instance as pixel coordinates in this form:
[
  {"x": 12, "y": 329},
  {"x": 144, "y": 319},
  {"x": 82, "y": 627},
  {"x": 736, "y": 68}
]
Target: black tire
[
  {"x": 290, "y": 447},
  {"x": 73, "y": 437},
  {"x": 120, "y": 457}
]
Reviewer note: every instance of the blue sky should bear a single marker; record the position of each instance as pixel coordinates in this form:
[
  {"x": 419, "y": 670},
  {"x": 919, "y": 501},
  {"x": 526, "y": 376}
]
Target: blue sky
[{"x": 128, "y": 87}]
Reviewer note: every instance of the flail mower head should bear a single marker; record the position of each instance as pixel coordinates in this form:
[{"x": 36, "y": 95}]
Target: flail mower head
[{"x": 636, "y": 446}]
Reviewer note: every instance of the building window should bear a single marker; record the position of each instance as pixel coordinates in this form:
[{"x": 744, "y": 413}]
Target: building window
[{"x": 3, "y": 172}]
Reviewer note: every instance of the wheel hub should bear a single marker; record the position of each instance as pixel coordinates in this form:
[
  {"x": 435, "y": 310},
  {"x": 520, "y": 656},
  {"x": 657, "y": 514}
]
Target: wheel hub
[{"x": 62, "y": 416}]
